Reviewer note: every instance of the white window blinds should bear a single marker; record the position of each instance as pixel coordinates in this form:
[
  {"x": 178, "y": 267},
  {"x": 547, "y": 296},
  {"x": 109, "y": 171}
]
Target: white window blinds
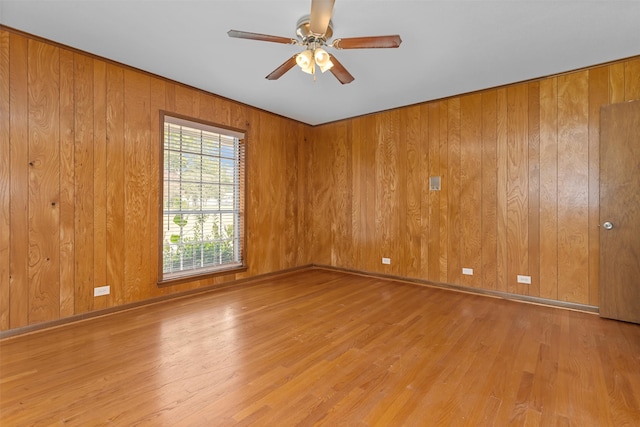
[{"x": 202, "y": 198}]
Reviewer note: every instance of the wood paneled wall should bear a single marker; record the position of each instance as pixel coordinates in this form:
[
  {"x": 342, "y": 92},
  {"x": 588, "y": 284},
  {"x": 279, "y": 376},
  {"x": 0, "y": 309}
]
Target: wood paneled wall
[
  {"x": 79, "y": 175},
  {"x": 519, "y": 172},
  {"x": 79, "y": 181}
]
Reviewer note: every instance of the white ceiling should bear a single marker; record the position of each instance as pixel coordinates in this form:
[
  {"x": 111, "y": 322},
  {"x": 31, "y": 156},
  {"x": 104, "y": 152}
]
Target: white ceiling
[{"x": 449, "y": 47}]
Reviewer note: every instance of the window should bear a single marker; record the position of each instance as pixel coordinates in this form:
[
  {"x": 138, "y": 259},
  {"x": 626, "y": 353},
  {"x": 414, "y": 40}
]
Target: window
[{"x": 203, "y": 203}]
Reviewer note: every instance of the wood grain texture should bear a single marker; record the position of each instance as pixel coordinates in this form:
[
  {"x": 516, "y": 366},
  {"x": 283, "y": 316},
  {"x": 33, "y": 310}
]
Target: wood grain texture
[
  {"x": 358, "y": 187},
  {"x": 517, "y": 187},
  {"x": 598, "y": 96},
  {"x": 416, "y": 255},
  {"x": 319, "y": 236},
  {"x": 100, "y": 180},
  {"x": 238, "y": 115},
  {"x": 387, "y": 210},
  {"x": 402, "y": 248},
  {"x": 573, "y": 187},
  {"x": 44, "y": 177},
  {"x": 185, "y": 103},
  {"x": 266, "y": 197},
  {"x": 273, "y": 196},
  {"x": 444, "y": 190},
  {"x": 371, "y": 195},
  {"x": 341, "y": 239},
  {"x": 84, "y": 202},
  {"x": 5, "y": 179},
  {"x": 115, "y": 184},
  {"x": 363, "y": 131},
  {"x": 489, "y": 190},
  {"x": 302, "y": 134},
  {"x": 275, "y": 154},
  {"x": 67, "y": 185},
  {"x": 549, "y": 188},
  {"x": 471, "y": 188},
  {"x": 156, "y": 144},
  {"x": 534, "y": 188},
  {"x": 137, "y": 136},
  {"x": 289, "y": 351},
  {"x": 291, "y": 196},
  {"x": 454, "y": 268},
  {"x": 616, "y": 83},
  {"x": 344, "y": 142},
  {"x": 430, "y": 210},
  {"x": 631, "y": 80},
  {"x": 502, "y": 157},
  {"x": 19, "y": 183}
]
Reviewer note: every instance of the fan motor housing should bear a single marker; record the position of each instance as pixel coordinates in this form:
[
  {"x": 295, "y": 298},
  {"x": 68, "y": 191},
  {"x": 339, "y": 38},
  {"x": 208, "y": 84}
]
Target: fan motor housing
[{"x": 303, "y": 31}]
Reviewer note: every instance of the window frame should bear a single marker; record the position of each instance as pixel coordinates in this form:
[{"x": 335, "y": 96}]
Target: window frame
[{"x": 201, "y": 273}]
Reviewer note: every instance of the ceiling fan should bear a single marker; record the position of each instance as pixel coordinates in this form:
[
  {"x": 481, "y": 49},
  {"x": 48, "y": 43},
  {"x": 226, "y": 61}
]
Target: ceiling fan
[{"x": 312, "y": 32}]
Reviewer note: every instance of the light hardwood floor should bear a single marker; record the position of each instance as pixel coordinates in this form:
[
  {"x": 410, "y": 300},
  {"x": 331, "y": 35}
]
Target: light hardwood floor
[{"x": 321, "y": 347}]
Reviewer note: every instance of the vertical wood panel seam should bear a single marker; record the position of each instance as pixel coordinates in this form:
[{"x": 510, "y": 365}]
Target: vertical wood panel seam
[
  {"x": 7, "y": 158},
  {"x": 482, "y": 225},
  {"x": 555, "y": 244}
]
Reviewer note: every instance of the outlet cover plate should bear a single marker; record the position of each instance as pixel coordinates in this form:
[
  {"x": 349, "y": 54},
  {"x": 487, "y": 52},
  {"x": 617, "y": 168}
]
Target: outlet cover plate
[
  {"x": 102, "y": 290},
  {"x": 524, "y": 279},
  {"x": 434, "y": 183},
  {"x": 467, "y": 271},
  {"x": 386, "y": 261}
]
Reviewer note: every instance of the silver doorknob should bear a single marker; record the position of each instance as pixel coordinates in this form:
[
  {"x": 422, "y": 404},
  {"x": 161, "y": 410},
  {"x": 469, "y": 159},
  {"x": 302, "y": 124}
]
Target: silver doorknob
[{"x": 608, "y": 225}]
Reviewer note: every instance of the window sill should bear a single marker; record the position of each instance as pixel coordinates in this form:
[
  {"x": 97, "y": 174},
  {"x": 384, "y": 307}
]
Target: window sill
[{"x": 176, "y": 280}]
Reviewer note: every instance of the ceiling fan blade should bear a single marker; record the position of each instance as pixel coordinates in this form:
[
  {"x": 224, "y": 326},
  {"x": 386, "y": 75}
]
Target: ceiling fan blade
[
  {"x": 368, "y": 42},
  {"x": 321, "y": 11},
  {"x": 261, "y": 37},
  {"x": 286, "y": 66},
  {"x": 340, "y": 72}
]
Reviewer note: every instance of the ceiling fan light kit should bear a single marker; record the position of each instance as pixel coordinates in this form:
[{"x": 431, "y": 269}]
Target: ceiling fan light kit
[
  {"x": 312, "y": 33},
  {"x": 308, "y": 59}
]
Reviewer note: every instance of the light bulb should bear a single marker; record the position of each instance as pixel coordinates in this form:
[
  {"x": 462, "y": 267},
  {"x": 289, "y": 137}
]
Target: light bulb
[
  {"x": 326, "y": 66},
  {"x": 321, "y": 56},
  {"x": 304, "y": 60},
  {"x": 323, "y": 59}
]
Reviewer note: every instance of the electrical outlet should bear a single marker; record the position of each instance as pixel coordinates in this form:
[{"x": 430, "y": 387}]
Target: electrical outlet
[
  {"x": 386, "y": 261},
  {"x": 102, "y": 290},
  {"x": 434, "y": 183},
  {"x": 524, "y": 279},
  {"x": 467, "y": 271}
]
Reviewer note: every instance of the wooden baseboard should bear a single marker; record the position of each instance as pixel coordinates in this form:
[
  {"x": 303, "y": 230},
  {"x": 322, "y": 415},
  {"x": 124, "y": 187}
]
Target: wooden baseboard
[
  {"x": 282, "y": 273},
  {"x": 139, "y": 304},
  {"x": 490, "y": 293}
]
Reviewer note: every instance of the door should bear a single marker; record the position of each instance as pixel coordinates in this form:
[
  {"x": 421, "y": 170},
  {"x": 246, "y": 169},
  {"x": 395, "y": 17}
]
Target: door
[{"x": 620, "y": 211}]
